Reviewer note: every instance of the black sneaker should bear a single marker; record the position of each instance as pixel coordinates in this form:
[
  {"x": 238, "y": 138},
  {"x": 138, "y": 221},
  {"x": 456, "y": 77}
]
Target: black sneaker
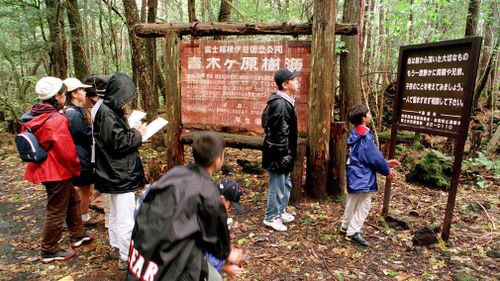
[
  {"x": 357, "y": 239},
  {"x": 61, "y": 255},
  {"x": 76, "y": 242}
]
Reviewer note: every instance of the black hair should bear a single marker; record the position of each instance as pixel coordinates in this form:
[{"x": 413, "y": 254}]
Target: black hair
[
  {"x": 52, "y": 101},
  {"x": 357, "y": 113},
  {"x": 207, "y": 147}
]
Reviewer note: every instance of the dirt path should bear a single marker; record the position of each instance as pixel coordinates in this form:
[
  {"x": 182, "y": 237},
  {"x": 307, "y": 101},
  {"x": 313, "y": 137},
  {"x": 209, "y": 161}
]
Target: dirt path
[{"x": 311, "y": 249}]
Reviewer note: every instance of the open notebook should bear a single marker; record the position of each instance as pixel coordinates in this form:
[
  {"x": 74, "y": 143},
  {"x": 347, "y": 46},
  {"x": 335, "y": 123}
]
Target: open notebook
[{"x": 152, "y": 128}]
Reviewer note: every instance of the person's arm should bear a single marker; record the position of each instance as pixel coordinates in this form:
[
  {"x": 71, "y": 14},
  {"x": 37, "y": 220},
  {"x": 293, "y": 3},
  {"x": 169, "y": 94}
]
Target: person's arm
[
  {"x": 375, "y": 158},
  {"x": 233, "y": 270},
  {"x": 212, "y": 219},
  {"x": 62, "y": 144},
  {"x": 114, "y": 136},
  {"x": 78, "y": 128},
  {"x": 278, "y": 128}
]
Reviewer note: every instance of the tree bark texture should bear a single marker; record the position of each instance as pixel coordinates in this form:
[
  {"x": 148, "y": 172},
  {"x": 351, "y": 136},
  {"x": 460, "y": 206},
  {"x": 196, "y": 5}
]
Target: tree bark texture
[
  {"x": 151, "y": 56},
  {"x": 321, "y": 93},
  {"x": 192, "y": 10},
  {"x": 174, "y": 148},
  {"x": 338, "y": 152},
  {"x": 217, "y": 28},
  {"x": 472, "y": 18},
  {"x": 298, "y": 171},
  {"x": 139, "y": 62},
  {"x": 80, "y": 60},
  {"x": 224, "y": 14},
  {"x": 350, "y": 62},
  {"x": 58, "y": 62}
]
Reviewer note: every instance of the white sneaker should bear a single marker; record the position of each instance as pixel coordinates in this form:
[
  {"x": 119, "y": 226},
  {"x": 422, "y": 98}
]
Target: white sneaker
[
  {"x": 276, "y": 224},
  {"x": 287, "y": 217}
]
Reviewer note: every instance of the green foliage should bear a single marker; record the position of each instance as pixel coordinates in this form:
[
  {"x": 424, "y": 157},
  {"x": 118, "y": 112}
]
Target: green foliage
[{"x": 482, "y": 163}]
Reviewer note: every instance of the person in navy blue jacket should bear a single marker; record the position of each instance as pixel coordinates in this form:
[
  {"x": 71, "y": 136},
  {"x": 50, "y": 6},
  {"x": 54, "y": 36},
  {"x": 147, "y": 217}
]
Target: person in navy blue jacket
[{"x": 364, "y": 162}]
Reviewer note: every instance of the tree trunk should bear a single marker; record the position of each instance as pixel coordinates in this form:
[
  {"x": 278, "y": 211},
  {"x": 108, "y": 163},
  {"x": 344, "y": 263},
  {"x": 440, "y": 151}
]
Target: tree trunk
[
  {"x": 80, "y": 60},
  {"x": 321, "y": 91},
  {"x": 151, "y": 55},
  {"x": 139, "y": 62},
  {"x": 224, "y": 14},
  {"x": 174, "y": 149},
  {"x": 58, "y": 62},
  {"x": 350, "y": 91},
  {"x": 472, "y": 18},
  {"x": 192, "y": 10}
]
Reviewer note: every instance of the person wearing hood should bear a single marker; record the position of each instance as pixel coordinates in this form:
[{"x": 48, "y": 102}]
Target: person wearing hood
[
  {"x": 55, "y": 172},
  {"x": 280, "y": 147},
  {"x": 364, "y": 162},
  {"x": 118, "y": 167}
]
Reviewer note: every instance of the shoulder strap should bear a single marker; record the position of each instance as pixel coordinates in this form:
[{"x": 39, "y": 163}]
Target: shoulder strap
[{"x": 50, "y": 117}]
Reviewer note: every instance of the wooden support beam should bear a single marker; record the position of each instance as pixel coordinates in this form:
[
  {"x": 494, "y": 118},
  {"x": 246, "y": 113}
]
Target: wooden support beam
[{"x": 220, "y": 28}]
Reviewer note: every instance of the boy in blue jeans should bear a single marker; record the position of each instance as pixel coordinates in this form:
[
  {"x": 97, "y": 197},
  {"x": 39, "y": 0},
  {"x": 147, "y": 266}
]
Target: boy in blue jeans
[{"x": 364, "y": 162}]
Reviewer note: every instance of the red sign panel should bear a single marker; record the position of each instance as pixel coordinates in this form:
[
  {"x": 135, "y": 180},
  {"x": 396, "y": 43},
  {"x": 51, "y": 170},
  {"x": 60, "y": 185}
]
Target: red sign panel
[{"x": 227, "y": 83}]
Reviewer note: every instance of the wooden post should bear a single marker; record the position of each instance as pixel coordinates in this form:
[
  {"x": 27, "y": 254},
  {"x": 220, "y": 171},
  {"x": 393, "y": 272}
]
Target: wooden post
[
  {"x": 298, "y": 171},
  {"x": 174, "y": 147},
  {"x": 337, "y": 169},
  {"x": 321, "y": 91}
]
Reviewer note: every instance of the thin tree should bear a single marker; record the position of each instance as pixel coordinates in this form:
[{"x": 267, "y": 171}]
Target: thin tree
[
  {"x": 80, "y": 60},
  {"x": 139, "y": 62},
  {"x": 58, "y": 62}
]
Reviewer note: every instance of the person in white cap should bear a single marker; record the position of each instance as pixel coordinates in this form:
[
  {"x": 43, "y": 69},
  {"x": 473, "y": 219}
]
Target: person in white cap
[
  {"x": 81, "y": 132},
  {"x": 55, "y": 172}
]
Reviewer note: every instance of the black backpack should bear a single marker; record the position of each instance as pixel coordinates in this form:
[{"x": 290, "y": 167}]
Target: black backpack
[{"x": 29, "y": 147}]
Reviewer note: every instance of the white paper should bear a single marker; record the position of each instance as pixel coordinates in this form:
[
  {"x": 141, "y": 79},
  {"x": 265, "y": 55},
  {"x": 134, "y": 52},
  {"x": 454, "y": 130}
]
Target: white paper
[
  {"x": 154, "y": 127},
  {"x": 135, "y": 117}
]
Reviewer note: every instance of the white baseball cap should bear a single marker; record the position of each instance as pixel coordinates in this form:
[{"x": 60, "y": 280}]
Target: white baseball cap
[
  {"x": 74, "y": 83},
  {"x": 48, "y": 87}
]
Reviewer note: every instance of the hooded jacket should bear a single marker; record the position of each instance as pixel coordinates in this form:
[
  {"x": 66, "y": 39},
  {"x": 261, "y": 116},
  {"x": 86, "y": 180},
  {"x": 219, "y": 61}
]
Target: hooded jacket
[
  {"x": 118, "y": 165},
  {"x": 181, "y": 216},
  {"x": 280, "y": 143},
  {"x": 364, "y": 161},
  {"x": 53, "y": 135},
  {"x": 81, "y": 133}
]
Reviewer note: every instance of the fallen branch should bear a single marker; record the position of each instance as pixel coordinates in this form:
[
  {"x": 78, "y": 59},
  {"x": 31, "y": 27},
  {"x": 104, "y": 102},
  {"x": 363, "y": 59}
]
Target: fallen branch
[{"x": 488, "y": 215}]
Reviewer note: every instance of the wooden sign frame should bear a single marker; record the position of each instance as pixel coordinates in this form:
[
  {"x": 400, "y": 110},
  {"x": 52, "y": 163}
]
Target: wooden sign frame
[{"x": 423, "y": 54}]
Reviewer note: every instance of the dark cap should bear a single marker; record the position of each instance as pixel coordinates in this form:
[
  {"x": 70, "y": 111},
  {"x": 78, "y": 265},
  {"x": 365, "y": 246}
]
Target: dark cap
[
  {"x": 98, "y": 83},
  {"x": 283, "y": 75},
  {"x": 231, "y": 191}
]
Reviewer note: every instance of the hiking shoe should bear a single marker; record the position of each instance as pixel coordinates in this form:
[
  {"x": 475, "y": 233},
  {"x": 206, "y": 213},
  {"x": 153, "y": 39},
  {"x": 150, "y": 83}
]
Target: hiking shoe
[
  {"x": 358, "y": 239},
  {"x": 122, "y": 265},
  {"x": 61, "y": 255},
  {"x": 287, "y": 217},
  {"x": 85, "y": 238},
  {"x": 276, "y": 224}
]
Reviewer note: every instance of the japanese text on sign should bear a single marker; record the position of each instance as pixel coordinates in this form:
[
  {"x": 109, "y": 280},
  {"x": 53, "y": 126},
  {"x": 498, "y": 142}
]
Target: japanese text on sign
[{"x": 227, "y": 83}]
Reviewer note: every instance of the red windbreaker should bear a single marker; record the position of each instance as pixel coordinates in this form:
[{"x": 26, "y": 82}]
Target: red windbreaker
[{"x": 62, "y": 162}]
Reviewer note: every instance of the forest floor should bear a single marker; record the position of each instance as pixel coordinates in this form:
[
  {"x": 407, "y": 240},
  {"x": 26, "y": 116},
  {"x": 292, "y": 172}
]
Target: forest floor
[{"x": 312, "y": 248}]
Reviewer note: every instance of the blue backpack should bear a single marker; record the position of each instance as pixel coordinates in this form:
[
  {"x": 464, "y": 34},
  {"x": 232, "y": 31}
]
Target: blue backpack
[{"x": 29, "y": 147}]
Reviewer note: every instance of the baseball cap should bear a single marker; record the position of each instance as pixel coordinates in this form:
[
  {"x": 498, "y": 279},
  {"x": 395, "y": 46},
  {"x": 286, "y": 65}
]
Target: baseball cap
[
  {"x": 73, "y": 84},
  {"x": 48, "y": 87},
  {"x": 283, "y": 75},
  {"x": 98, "y": 83},
  {"x": 231, "y": 191}
]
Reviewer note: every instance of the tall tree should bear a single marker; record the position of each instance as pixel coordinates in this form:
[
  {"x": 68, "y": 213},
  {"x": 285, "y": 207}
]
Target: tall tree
[
  {"x": 192, "y": 10},
  {"x": 151, "y": 53},
  {"x": 80, "y": 60},
  {"x": 472, "y": 18},
  {"x": 58, "y": 62},
  {"x": 350, "y": 84},
  {"x": 322, "y": 91},
  {"x": 139, "y": 62}
]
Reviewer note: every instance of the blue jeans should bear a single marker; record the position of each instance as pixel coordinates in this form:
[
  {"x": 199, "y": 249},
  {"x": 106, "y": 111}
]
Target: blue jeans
[{"x": 278, "y": 194}]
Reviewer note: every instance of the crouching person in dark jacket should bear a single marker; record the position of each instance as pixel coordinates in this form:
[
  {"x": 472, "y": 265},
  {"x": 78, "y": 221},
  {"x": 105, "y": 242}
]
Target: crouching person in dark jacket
[
  {"x": 180, "y": 217},
  {"x": 118, "y": 168}
]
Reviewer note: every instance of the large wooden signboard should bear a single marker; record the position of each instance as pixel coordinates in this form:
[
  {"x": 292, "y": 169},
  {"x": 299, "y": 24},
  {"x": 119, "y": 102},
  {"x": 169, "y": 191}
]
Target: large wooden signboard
[
  {"x": 227, "y": 83},
  {"x": 434, "y": 95}
]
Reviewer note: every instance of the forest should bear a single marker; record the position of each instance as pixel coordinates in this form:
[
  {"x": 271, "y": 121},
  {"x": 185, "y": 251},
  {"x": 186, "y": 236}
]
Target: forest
[{"x": 75, "y": 38}]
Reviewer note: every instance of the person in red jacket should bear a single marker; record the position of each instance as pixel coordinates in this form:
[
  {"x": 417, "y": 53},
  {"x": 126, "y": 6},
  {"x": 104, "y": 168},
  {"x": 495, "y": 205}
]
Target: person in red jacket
[{"x": 55, "y": 172}]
